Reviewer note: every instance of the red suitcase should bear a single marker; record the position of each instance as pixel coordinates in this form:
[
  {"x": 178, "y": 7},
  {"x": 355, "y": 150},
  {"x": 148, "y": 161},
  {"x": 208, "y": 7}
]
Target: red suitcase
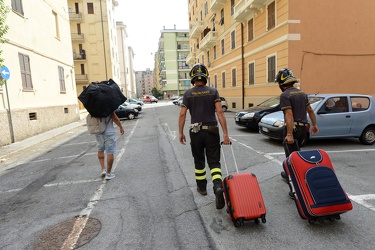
[
  {"x": 317, "y": 192},
  {"x": 243, "y": 197}
]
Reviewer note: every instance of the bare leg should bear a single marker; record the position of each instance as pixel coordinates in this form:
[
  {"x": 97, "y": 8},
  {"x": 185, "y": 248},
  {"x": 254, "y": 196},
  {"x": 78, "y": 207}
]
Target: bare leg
[
  {"x": 110, "y": 159},
  {"x": 101, "y": 159}
]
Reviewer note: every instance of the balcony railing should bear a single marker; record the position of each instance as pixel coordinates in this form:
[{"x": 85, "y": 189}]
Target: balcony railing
[
  {"x": 196, "y": 29},
  {"x": 81, "y": 78},
  {"x": 77, "y": 37},
  {"x": 75, "y": 16},
  {"x": 208, "y": 41},
  {"x": 190, "y": 59},
  {"x": 217, "y": 5},
  {"x": 246, "y": 8}
]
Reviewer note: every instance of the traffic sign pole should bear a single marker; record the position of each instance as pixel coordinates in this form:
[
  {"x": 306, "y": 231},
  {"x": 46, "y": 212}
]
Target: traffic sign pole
[{"x": 5, "y": 74}]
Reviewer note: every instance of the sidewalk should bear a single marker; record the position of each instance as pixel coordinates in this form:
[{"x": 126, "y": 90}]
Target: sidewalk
[{"x": 7, "y": 150}]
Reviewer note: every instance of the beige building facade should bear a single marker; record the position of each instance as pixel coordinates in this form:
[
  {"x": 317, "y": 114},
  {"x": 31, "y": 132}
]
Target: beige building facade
[
  {"x": 94, "y": 41},
  {"x": 41, "y": 93},
  {"x": 126, "y": 56},
  {"x": 244, "y": 43}
]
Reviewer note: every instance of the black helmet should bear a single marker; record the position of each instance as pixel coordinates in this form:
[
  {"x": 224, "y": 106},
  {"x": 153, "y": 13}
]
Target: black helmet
[
  {"x": 285, "y": 77},
  {"x": 198, "y": 72}
]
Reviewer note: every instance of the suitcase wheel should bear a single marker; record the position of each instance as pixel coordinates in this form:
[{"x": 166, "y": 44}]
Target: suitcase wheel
[
  {"x": 238, "y": 223},
  {"x": 263, "y": 217},
  {"x": 257, "y": 221}
]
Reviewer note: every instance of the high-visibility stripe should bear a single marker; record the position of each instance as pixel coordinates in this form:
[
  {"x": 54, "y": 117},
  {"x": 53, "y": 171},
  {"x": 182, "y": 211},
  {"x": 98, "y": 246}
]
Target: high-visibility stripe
[
  {"x": 215, "y": 170},
  {"x": 200, "y": 171},
  {"x": 216, "y": 176},
  {"x": 202, "y": 177}
]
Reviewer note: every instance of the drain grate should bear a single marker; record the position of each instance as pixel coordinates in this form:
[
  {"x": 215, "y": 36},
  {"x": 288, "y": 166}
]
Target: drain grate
[{"x": 69, "y": 234}]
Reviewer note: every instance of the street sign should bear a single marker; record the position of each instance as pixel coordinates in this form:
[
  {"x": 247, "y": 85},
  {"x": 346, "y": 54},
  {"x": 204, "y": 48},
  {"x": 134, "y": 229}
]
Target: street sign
[{"x": 5, "y": 73}]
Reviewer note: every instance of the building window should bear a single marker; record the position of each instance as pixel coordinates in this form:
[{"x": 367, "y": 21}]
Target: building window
[
  {"x": 202, "y": 59},
  {"x": 215, "y": 81},
  {"x": 250, "y": 30},
  {"x": 231, "y": 7},
  {"x": 251, "y": 74},
  {"x": 61, "y": 79},
  {"x": 17, "y": 6},
  {"x": 90, "y": 8},
  {"x": 214, "y": 52},
  {"x": 271, "y": 15},
  {"x": 233, "y": 39},
  {"x": 271, "y": 67},
  {"x": 221, "y": 17},
  {"x": 222, "y": 47},
  {"x": 205, "y": 9},
  {"x": 57, "y": 31},
  {"x": 234, "y": 77},
  {"x": 208, "y": 59},
  {"x": 25, "y": 71},
  {"x": 223, "y": 79}
]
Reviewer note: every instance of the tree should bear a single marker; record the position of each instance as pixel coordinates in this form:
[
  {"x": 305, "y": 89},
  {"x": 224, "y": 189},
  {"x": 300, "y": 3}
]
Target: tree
[
  {"x": 3, "y": 30},
  {"x": 155, "y": 92}
]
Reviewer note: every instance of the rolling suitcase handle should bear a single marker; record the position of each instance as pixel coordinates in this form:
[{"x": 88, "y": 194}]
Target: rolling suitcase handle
[{"x": 234, "y": 159}]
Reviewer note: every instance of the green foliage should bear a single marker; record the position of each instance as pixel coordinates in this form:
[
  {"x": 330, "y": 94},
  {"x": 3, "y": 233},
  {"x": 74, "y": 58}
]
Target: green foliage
[
  {"x": 3, "y": 27},
  {"x": 3, "y": 30},
  {"x": 155, "y": 92}
]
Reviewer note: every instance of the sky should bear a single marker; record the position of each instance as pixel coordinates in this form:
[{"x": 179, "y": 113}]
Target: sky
[{"x": 144, "y": 19}]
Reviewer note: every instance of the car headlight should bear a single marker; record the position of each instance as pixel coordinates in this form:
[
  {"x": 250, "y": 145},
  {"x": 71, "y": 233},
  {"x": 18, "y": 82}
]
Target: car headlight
[
  {"x": 279, "y": 124},
  {"x": 249, "y": 115}
]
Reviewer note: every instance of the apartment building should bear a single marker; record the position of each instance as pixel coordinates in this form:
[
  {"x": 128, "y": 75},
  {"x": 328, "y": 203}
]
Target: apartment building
[
  {"x": 40, "y": 93},
  {"x": 145, "y": 82},
  {"x": 245, "y": 42},
  {"x": 126, "y": 56},
  {"x": 173, "y": 72},
  {"x": 94, "y": 41}
]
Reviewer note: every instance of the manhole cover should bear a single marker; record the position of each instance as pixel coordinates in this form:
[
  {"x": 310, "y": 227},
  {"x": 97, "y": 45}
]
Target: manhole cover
[{"x": 69, "y": 234}]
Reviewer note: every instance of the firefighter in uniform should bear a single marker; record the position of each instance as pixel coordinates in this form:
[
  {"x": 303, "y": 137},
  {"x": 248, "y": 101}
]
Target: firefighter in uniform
[
  {"x": 295, "y": 104},
  {"x": 204, "y": 104}
]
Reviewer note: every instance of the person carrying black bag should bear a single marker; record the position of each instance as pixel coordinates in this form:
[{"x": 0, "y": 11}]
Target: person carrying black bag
[
  {"x": 295, "y": 105},
  {"x": 202, "y": 102}
]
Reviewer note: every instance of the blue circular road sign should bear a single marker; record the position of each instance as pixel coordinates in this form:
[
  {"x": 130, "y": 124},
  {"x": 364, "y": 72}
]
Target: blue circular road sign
[{"x": 5, "y": 73}]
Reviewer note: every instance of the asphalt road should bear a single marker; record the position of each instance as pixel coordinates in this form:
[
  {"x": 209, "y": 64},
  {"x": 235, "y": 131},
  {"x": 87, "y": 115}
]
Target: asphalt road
[{"x": 153, "y": 204}]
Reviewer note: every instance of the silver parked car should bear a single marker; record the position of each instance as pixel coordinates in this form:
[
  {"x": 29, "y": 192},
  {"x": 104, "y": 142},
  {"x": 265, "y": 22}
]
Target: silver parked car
[{"x": 337, "y": 116}]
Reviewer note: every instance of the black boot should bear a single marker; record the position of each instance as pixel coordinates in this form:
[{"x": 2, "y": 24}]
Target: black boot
[{"x": 219, "y": 195}]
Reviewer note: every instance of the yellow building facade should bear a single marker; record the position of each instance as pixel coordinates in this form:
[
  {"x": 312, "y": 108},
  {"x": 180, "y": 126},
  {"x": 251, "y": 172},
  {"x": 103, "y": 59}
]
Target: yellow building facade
[{"x": 245, "y": 42}]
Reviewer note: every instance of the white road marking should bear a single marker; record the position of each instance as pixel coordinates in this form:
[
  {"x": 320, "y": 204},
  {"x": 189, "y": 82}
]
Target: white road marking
[
  {"x": 361, "y": 199},
  {"x": 79, "y": 224}
]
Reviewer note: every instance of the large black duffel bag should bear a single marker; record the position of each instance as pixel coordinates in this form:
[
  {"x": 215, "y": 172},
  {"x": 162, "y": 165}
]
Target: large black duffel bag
[{"x": 101, "y": 99}]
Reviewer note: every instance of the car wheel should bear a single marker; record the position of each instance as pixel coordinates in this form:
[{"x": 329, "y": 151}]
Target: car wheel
[
  {"x": 368, "y": 136},
  {"x": 224, "y": 108},
  {"x": 131, "y": 116}
]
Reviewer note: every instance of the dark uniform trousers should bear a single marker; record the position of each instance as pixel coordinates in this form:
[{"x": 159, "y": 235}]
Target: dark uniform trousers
[
  {"x": 205, "y": 144},
  {"x": 299, "y": 134}
]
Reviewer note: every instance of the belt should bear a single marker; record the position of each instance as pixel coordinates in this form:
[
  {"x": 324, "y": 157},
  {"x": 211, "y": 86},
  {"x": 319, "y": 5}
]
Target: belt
[
  {"x": 204, "y": 127},
  {"x": 300, "y": 124}
]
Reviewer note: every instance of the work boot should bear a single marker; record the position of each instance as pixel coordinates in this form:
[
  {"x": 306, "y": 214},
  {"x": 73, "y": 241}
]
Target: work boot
[
  {"x": 202, "y": 191},
  {"x": 219, "y": 197},
  {"x": 285, "y": 176}
]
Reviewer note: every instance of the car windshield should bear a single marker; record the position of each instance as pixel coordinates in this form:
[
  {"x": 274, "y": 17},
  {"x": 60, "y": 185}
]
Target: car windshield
[{"x": 270, "y": 102}]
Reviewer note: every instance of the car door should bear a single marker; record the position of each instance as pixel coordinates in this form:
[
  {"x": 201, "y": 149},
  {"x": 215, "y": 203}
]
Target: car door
[
  {"x": 361, "y": 116},
  {"x": 333, "y": 120}
]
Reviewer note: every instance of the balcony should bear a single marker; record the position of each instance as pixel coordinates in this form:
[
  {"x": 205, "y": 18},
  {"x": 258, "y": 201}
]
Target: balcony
[
  {"x": 190, "y": 59},
  {"x": 75, "y": 16},
  {"x": 80, "y": 57},
  {"x": 247, "y": 8},
  {"x": 77, "y": 37},
  {"x": 196, "y": 29},
  {"x": 208, "y": 41},
  {"x": 217, "y": 5},
  {"x": 81, "y": 78}
]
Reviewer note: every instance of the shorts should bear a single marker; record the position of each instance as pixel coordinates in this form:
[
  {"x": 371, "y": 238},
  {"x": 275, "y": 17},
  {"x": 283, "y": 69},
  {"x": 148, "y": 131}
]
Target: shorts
[{"x": 106, "y": 142}]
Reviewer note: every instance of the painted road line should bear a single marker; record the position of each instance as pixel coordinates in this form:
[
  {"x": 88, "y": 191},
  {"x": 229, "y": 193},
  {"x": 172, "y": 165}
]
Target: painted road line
[{"x": 361, "y": 199}]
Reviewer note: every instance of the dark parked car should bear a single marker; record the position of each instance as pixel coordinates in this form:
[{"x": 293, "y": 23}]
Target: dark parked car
[
  {"x": 337, "y": 116},
  {"x": 250, "y": 118},
  {"x": 124, "y": 112}
]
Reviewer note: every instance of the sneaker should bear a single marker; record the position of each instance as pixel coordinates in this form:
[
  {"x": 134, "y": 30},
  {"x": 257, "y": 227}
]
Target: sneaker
[
  {"x": 104, "y": 173},
  {"x": 109, "y": 176},
  {"x": 202, "y": 191},
  {"x": 220, "y": 202}
]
